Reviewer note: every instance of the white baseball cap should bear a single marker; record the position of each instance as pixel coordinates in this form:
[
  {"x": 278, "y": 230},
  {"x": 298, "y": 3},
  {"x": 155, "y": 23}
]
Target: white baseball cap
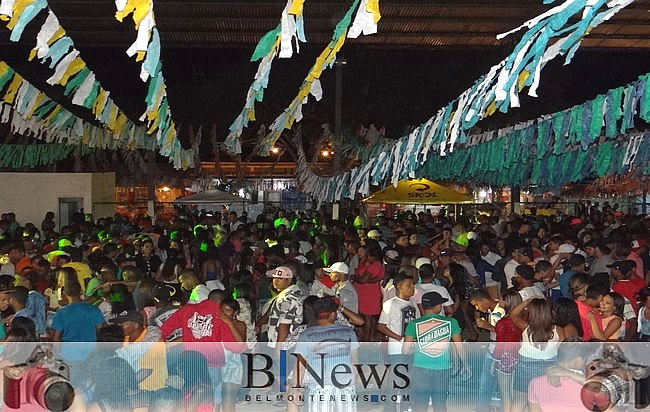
[
  {"x": 338, "y": 267},
  {"x": 374, "y": 234},
  {"x": 422, "y": 261},
  {"x": 282, "y": 272}
]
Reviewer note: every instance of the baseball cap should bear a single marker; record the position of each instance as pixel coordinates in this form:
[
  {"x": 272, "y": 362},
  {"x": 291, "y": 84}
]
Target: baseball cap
[
  {"x": 128, "y": 316},
  {"x": 566, "y": 248},
  {"x": 392, "y": 256},
  {"x": 623, "y": 265},
  {"x": 575, "y": 221},
  {"x": 639, "y": 243},
  {"x": 374, "y": 234},
  {"x": 432, "y": 299},
  {"x": 422, "y": 261},
  {"x": 338, "y": 267},
  {"x": 282, "y": 272}
]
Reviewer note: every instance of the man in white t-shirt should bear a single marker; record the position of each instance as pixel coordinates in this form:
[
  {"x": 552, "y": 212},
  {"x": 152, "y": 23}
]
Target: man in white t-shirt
[
  {"x": 524, "y": 281},
  {"x": 396, "y": 314},
  {"x": 519, "y": 257},
  {"x": 426, "y": 274}
]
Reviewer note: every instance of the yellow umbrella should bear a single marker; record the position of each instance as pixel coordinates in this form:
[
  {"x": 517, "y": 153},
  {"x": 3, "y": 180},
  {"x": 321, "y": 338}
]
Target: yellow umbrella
[{"x": 418, "y": 192}]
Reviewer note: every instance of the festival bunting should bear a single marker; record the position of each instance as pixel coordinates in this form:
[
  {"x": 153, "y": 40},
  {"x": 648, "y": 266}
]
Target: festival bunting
[
  {"x": 590, "y": 140},
  {"x": 276, "y": 41},
  {"x": 311, "y": 84},
  {"x": 70, "y": 70},
  {"x": 146, "y": 48},
  {"x": 31, "y": 113},
  {"x": 56, "y": 49},
  {"x": 18, "y": 156},
  {"x": 566, "y": 24}
]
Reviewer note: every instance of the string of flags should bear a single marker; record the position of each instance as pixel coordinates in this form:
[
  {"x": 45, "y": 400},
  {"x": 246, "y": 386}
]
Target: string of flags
[
  {"x": 278, "y": 41},
  {"x": 30, "y": 112},
  {"x": 54, "y": 48},
  {"x": 146, "y": 49},
  {"x": 18, "y": 156},
  {"x": 365, "y": 22},
  {"x": 566, "y": 24},
  {"x": 590, "y": 140}
]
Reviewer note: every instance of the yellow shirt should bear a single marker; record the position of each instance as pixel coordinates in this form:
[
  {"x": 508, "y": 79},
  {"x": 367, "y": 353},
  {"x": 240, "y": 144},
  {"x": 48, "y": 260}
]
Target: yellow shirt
[
  {"x": 155, "y": 359},
  {"x": 83, "y": 273}
]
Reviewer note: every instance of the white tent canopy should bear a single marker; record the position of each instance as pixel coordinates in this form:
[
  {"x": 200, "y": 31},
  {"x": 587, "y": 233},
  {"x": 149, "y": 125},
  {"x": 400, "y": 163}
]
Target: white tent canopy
[{"x": 212, "y": 196}]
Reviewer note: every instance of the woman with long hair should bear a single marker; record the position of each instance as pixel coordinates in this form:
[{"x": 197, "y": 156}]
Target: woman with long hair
[
  {"x": 613, "y": 324},
  {"x": 147, "y": 261},
  {"x": 540, "y": 341},
  {"x": 567, "y": 317},
  {"x": 461, "y": 288},
  {"x": 506, "y": 351}
]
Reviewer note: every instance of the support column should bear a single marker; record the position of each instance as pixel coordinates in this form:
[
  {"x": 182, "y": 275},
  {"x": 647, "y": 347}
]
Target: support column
[
  {"x": 151, "y": 185},
  {"x": 515, "y": 197}
]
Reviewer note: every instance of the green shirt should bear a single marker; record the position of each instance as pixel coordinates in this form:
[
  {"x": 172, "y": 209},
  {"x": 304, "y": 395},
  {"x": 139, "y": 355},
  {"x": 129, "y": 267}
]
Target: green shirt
[{"x": 432, "y": 334}]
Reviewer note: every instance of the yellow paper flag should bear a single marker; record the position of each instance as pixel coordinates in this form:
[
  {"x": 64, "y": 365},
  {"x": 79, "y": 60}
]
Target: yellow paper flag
[
  {"x": 139, "y": 8},
  {"x": 74, "y": 68},
  {"x": 56, "y": 36},
  {"x": 491, "y": 109},
  {"x": 251, "y": 114},
  {"x": 37, "y": 103},
  {"x": 19, "y": 8},
  {"x": 98, "y": 107},
  {"x": 373, "y": 7},
  {"x": 13, "y": 88},
  {"x": 296, "y": 7},
  {"x": 54, "y": 112},
  {"x": 523, "y": 76}
]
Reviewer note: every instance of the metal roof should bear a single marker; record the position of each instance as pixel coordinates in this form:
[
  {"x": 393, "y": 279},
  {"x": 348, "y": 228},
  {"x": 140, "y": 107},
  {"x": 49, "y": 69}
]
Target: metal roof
[{"x": 408, "y": 24}]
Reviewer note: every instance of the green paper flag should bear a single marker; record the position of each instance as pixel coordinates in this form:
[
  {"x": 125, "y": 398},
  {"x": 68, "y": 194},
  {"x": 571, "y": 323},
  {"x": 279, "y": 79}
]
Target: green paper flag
[{"x": 266, "y": 43}]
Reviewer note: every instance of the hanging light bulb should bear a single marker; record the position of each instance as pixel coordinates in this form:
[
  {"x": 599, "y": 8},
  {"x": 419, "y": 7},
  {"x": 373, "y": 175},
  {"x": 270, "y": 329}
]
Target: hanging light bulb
[
  {"x": 325, "y": 153},
  {"x": 275, "y": 150}
]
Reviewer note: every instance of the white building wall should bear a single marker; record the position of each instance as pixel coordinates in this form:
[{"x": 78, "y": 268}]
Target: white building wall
[{"x": 31, "y": 195}]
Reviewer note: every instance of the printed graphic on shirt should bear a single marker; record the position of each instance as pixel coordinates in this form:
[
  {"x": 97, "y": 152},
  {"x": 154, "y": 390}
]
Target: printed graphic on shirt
[
  {"x": 200, "y": 325},
  {"x": 433, "y": 336},
  {"x": 408, "y": 315}
]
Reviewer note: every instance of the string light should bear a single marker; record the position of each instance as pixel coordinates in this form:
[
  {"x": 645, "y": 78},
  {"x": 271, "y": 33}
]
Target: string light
[
  {"x": 275, "y": 150},
  {"x": 325, "y": 153}
]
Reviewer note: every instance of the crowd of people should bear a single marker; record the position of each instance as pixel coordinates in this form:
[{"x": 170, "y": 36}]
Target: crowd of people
[{"x": 533, "y": 287}]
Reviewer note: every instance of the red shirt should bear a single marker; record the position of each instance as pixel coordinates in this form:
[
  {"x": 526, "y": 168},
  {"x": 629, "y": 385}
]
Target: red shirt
[
  {"x": 200, "y": 322},
  {"x": 325, "y": 280},
  {"x": 587, "y": 331},
  {"x": 370, "y": 293},
  {"x": 630, "y": 290}
]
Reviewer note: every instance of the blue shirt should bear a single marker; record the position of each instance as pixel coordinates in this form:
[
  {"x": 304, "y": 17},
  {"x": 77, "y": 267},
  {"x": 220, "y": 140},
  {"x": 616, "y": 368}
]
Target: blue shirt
[
  {"x": 78, "y": 322},
  {"x": 37, "y": 305},
  {"x": 565, "y": 278}
]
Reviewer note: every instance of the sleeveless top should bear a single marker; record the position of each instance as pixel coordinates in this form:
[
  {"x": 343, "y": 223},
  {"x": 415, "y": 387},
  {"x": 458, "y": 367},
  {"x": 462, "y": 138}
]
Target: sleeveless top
[
  {"x": 619, "y": 333},
  {"x": 539, "y": 351}
]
